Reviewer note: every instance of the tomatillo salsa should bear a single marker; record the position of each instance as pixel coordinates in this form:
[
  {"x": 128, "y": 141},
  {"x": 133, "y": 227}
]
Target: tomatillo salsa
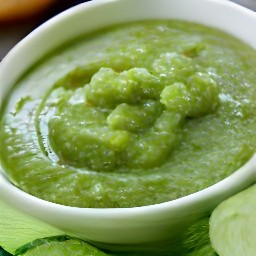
[{"x": 135, "y": 114}]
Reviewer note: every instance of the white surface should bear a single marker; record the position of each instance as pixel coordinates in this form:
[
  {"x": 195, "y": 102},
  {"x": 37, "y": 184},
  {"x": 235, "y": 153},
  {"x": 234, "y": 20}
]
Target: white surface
[{"x": 142, "y": 224}]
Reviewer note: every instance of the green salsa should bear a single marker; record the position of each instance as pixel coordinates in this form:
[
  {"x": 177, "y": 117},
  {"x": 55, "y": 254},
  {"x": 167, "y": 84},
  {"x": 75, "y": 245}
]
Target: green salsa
[{"x": 135, "y": 114}]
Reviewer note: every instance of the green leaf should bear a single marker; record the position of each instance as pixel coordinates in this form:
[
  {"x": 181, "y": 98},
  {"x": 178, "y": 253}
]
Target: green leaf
[
  {"x": 206, "y": 250},
  {"x": 197, "y": 241},
  {"x": 18, "y": 229}
]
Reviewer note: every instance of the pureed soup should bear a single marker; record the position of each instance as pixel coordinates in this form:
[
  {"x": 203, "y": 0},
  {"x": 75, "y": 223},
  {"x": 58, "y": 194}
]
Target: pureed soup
[{"x": 132, "y": 115}]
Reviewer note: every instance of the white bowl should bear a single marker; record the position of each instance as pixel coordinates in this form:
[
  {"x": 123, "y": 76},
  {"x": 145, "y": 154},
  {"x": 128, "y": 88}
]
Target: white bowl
[{"x": 139, "y": 225}]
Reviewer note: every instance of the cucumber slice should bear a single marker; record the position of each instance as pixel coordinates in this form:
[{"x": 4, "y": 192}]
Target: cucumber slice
[
  {"x": 38, "y": 242},
  {"x": 59, "y": 245},
  {"x": 233, "y": 225},
  {"x": 17, "y": 228}
]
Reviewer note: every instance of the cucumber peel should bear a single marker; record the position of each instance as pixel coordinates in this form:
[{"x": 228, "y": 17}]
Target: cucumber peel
[
  {"x": 232, "y": 225},
  {"x": 4, "y": 253}
]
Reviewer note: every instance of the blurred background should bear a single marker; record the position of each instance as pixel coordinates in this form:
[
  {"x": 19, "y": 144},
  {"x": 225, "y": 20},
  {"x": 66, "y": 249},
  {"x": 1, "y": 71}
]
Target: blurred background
[{"x": 19, "y": 17}]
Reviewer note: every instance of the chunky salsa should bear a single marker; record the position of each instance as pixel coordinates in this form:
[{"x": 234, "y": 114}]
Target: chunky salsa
[{"x": 132, "y": 115}]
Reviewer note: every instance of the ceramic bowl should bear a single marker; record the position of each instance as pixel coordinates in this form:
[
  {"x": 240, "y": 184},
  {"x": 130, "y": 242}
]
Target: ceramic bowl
[{"x": 138, "y": 225}]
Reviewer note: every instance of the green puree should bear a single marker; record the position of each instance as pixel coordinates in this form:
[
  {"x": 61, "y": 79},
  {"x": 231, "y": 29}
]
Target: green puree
[{"x": 132, "y": 115}]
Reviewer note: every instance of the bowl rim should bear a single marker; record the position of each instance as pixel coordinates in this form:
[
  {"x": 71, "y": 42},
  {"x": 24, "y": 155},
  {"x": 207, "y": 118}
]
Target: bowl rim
[
  {"x": 222, "y": 189},
  {"x": 245, "y": 174}
]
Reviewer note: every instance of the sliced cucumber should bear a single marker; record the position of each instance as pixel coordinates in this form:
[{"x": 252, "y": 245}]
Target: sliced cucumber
[
  {"x": 17, "y": 228},
  {"x": 233, "y": 225},
  {"x": 60, "y": 245}
]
